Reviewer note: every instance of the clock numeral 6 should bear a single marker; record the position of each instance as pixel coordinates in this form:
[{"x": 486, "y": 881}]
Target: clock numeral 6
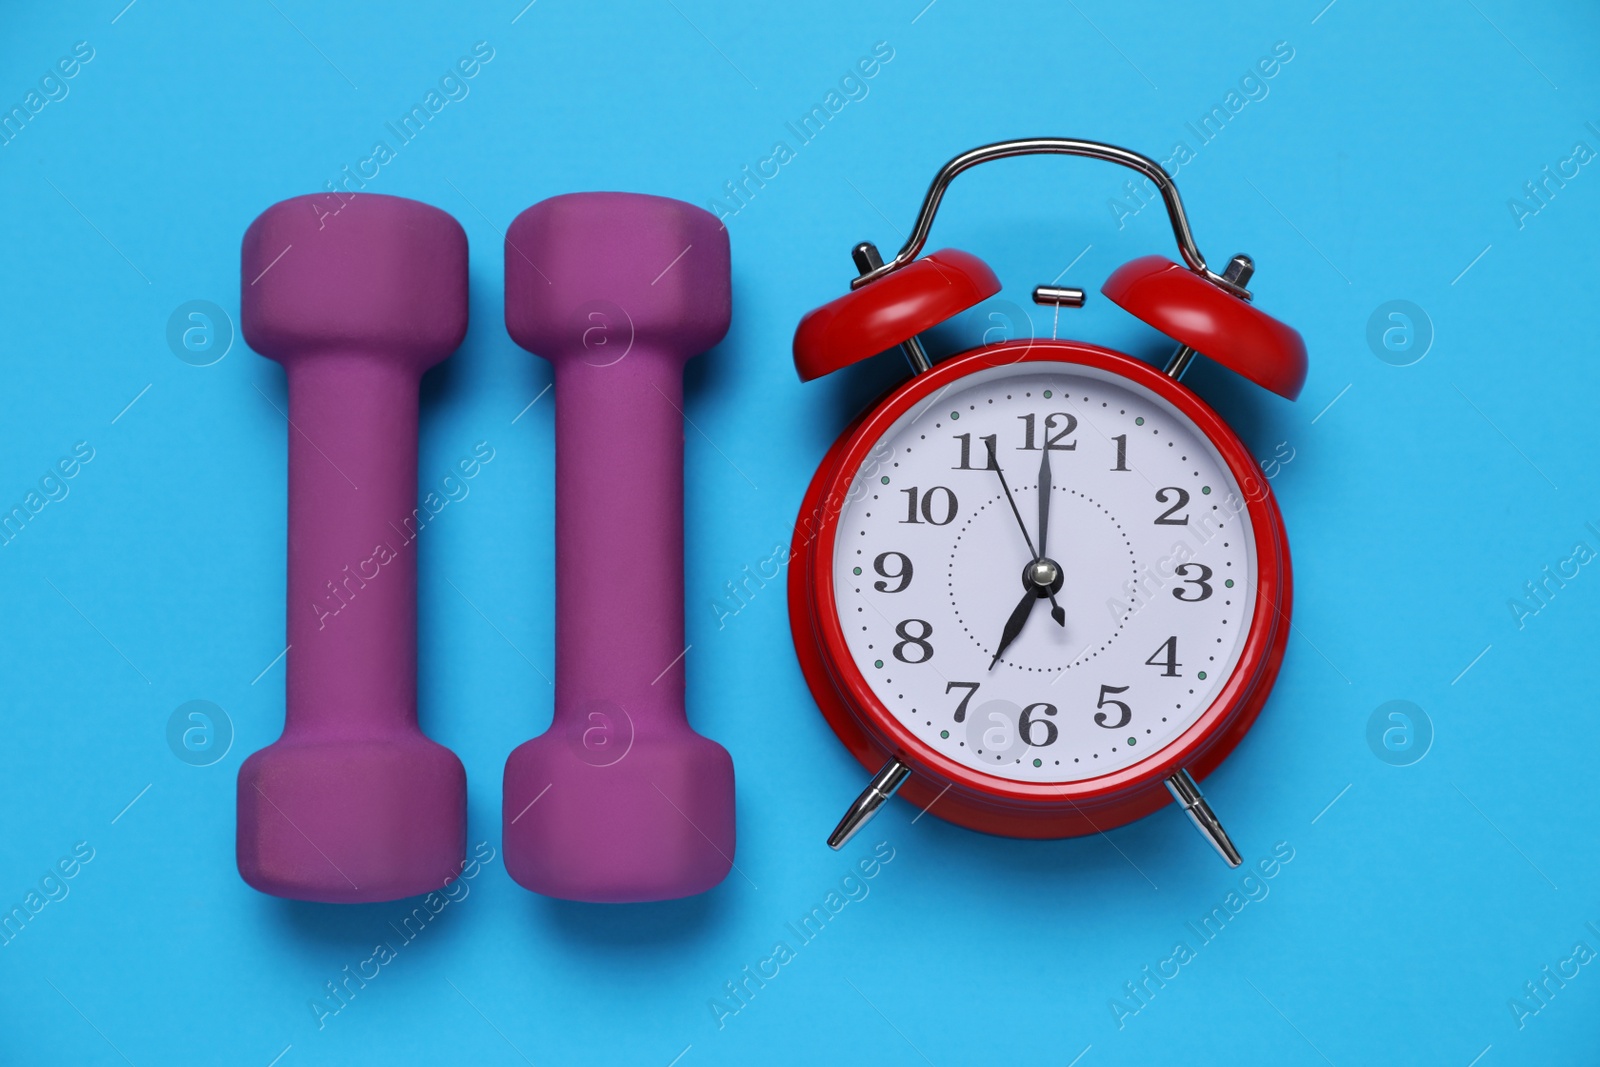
[
  {"x": 1052, "y": 441},
  {"x": 1203, "y": 582},
  {"x": 1165, "y": 518},
  {"x": 902, "y": 573},
  {"x": 1026, "y": 724},
  {"x": 961, "y": 708},
  {"x": 918, "y": 641},
  {"x": 1100, "y": 717},
  {"x": 948, "y": 505}
]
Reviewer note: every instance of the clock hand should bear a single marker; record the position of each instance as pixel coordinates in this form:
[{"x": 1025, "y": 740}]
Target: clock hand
[
  {"x": 1056, "y": 611},
  {"x": 1045, "y": 487},
  {"x": 994, "y": 465},
  {"x": 1019, "y": 615}
]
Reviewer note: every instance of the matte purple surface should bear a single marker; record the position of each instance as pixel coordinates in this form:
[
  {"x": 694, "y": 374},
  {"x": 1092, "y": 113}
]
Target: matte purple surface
[
  {"x": 352, "y": 803},
  {"x": 620, "y": 800}
]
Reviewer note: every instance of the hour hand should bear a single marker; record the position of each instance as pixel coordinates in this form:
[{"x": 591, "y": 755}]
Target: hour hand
[
  {"x": 1019, "y": 615},
  {"x": 1045, "y": 486}
]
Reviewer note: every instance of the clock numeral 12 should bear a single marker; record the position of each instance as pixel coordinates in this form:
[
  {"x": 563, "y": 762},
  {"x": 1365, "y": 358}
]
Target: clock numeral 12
[{"x": 1052, "y": 441}]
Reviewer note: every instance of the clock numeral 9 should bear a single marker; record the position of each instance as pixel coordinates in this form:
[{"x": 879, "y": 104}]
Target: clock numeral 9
[
  {"x": 918, "y": 641},
  {"x": 1165, "y": 518},
  {"x": 948, "y": 505},
  {"x": 1026, "y": 724},
  {"x": 1203, "y": 582},
  {"x": 1052, "y": 441},
  {"x": 1100, "y": 717},
  {"x": 902, "y": 572}
]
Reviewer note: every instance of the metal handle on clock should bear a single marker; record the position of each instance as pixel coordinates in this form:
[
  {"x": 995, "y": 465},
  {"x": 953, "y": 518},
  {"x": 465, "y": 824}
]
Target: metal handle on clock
[{"x": 1054, "y": 146}]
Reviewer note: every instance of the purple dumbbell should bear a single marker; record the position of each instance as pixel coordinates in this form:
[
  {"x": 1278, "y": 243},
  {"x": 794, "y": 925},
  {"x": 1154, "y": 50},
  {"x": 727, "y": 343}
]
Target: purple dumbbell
[
  {"x": 352, "y": 803},
  {"x": 620, "y": 800}
]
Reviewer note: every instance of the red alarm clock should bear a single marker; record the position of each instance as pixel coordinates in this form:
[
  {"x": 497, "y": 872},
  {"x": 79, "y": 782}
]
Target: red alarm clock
[{"x": 1040, "y": 586}]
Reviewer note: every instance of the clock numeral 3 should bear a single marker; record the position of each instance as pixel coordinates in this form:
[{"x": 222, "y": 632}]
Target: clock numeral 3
[
  {"x": 947, "y": 504},
  {"x": 917, "y": 641},
  {"x": 1100, "y": 717},
  {"x": 902, "y": 573},
  {"x": 1165, "y": 518},
  {"x": 1203, "y": 582},
  {"x": 1170, "y": 647},
  {"x": 1052, "y": 441}
]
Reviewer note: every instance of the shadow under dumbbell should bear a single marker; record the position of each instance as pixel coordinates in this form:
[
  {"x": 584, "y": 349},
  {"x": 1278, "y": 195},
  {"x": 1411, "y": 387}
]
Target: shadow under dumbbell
[
  {"x": 444, "y": 383},
  {"x": 369, "y": 936},
  {"x": 330, "y": 924},
  {"x": 710, "y": 379},
  {"x": 662, "y": 924}
]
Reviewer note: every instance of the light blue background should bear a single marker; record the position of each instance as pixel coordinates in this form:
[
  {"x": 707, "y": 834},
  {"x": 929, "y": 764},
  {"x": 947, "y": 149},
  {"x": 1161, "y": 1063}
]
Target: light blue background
[{"x": 1377, "y": 167}]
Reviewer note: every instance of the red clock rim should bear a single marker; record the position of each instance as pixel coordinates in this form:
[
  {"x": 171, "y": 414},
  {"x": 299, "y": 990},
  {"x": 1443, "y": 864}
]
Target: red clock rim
[{"x": 1086, "y": 794}]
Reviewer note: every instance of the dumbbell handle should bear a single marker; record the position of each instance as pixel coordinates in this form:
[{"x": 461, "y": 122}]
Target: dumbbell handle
[
  {"x": 619, "y": 536},
  {"x": 352, "y": 618}
]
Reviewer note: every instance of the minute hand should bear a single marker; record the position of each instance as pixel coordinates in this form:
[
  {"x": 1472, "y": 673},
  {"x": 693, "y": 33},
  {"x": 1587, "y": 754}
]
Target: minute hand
[
  {"x": 994, "y": 464},
  {"x": 1045, "y": 488}
]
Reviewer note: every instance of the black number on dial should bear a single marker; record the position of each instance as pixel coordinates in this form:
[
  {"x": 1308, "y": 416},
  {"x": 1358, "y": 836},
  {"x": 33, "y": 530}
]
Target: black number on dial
[
  {"x": 1203, "y": 581},
  {"x": 961, "y": 708},
  {"x": 1026, "y": 724},
  {"x": 1100, "y": 716},
  {"x": 918, "y": 641},
  {"x": 902, "y": 572},
  {"x": 1165, "y": 518},
  {"x": 1122, "y": 452},
  {"x": 1052, "y": 441},
  {"x": 947, "y": 504},
  {"x": 1170, "y": 647},
  {"x": 966, "y": 452}
]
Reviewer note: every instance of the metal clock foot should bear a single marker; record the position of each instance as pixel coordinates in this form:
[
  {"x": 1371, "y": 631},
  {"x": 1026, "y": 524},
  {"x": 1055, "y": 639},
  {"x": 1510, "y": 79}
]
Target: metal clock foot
[
  {"x": 884, "y": 784},
  {"x": 1187, "y": 793}
]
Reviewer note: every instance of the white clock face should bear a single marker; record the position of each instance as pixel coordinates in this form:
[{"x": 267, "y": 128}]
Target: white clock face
[{"x": 1153, "y": 549}]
